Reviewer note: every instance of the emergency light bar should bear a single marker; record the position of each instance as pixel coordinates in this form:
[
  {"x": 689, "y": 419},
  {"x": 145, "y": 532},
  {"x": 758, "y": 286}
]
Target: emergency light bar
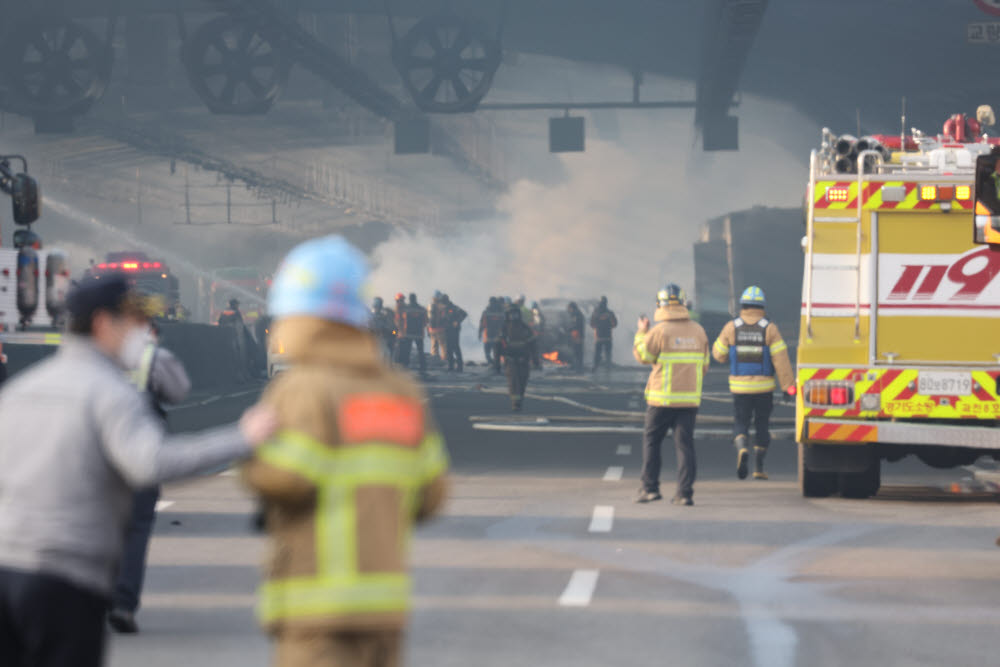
[{"x": 129, "y": 266}]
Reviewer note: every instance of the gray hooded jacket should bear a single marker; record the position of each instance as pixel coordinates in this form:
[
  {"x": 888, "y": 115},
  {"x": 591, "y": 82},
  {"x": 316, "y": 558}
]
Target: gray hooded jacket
[{"x": 75, "y": 439}]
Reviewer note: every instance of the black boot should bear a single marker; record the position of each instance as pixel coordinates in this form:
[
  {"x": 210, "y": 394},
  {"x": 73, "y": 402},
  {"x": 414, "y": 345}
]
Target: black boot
[
  {"x": 742, "y": 456},
  {"x": 758, "y": 462}
]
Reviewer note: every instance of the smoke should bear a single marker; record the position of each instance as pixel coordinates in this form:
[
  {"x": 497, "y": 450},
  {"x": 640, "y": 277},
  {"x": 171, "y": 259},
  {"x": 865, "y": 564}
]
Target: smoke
[{"x": 620, "y": 221}]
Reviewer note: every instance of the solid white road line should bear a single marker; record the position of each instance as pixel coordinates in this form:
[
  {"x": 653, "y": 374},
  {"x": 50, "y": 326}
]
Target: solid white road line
[
  {"x": 580, "y": 589},
  {"x": 623, "y": 450},
  {"x": 163, "y": 504},
  {"x": 602, "y": 520},
  {"x": 231, "y": 472},
  {"x": 614, "y": 474}
]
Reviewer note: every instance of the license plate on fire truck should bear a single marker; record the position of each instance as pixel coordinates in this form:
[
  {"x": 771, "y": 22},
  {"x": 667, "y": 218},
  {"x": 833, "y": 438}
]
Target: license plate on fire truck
[{"x": 944, "y": 383}]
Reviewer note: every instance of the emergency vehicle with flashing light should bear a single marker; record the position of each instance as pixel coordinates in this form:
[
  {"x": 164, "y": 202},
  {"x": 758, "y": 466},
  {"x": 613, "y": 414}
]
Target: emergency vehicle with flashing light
[
  {"x": 899, "y": 349},
  {"x": 152, "y": 277}
]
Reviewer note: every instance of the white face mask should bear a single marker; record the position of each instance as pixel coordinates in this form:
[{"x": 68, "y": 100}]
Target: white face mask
[{"x": 133, "y": 347}]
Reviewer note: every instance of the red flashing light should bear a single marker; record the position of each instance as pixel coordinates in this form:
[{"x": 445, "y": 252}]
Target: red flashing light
[
  {"x": 157, "y": 265},
  {"x": 147, "y": 265},
  {"x": 130, "y": 266},
  {"x": 839, "y": 395}
]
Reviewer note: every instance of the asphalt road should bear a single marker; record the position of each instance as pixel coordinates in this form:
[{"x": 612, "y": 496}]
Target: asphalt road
[{"x": 542, "y": 558}]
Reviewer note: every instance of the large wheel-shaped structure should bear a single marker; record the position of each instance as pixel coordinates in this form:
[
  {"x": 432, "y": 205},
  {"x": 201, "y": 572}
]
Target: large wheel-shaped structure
[
  {"x": 55, "y": 67},
  {"x": 233, "y": 68},
  {"x": 447, "y": 63}
]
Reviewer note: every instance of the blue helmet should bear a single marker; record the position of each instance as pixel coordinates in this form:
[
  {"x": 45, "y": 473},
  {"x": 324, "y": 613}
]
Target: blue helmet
[
  {"x": 753, "y": 297},
  {"x": 322, "y": 278}
]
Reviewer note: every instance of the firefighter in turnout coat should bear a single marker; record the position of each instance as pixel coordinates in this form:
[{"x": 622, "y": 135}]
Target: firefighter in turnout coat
[
  {"x": 356, "y": 462},
  {"x": 757, "y": 355}
]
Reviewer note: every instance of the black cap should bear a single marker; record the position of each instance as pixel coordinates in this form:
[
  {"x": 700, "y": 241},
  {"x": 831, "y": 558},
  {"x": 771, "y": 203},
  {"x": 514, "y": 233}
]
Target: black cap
[{"x": 92, "y": 294}]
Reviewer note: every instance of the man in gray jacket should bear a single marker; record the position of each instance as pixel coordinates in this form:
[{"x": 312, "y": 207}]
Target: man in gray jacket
[{"x": 75, "y": 439}]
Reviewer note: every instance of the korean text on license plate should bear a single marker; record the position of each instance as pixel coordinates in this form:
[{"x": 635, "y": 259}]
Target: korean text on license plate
[{"x": 944, "y": 383}]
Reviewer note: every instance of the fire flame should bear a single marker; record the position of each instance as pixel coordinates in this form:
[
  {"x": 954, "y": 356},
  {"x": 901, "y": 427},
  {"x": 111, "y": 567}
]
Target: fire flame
[{"x": 553, "y": 357}]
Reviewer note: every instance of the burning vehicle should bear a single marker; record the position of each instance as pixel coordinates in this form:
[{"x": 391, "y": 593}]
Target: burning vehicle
[{"x": 554, "y": 342}]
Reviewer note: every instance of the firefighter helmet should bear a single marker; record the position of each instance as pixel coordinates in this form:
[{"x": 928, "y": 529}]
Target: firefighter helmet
[
  {"x": 753, "y": 297},
  {"x": 671, "y": 295},
  {"x": 322, "y": 278}
]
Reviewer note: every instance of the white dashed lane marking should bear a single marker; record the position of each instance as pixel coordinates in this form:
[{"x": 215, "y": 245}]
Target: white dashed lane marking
[
  {"x": 580, "y": 589},
  {"x": 623, "y": 450},
  {"x": 614, "y": 474},
  {"x": 163, "y": 504},
  {"x": 603, "y": 519}
]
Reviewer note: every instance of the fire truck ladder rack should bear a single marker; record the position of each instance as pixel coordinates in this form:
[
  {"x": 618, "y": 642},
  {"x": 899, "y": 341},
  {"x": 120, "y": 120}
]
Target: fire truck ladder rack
[
  {"x": 811, "y": 221},
  {"x": 283, "y": 30}
]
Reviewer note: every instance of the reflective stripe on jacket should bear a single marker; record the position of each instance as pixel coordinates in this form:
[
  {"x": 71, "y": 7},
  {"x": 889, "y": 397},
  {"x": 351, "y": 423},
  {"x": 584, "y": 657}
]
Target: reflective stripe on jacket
[
  {"x": 677, "y": 348},
  {"x": 776, "y": 347},
  {"x": 358, "y": 461}
]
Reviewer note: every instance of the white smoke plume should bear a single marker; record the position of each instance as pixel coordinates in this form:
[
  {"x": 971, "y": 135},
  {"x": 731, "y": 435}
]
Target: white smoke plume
[{"x": 620, "y": 222}]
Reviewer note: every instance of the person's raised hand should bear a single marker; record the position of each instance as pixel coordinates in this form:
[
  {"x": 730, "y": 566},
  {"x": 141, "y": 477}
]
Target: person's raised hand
[
  {"x": 258, "y": 424},
  {"x": 643, "y": 324}
]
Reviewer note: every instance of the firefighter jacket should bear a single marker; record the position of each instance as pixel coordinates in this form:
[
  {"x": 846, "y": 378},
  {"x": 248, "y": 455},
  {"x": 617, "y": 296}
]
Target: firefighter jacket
[
  {"x": 454, "y": 316},
  {"x": 437, "y": 316},
  {"x": 414, "y": 322},
  {"x": 384, "y": 323},
  {"x": 677, "y": 348},
  {"x": 517, "y": 341},
  {"x": 755, "y": 352},
  {"x": 230, "y": 318},
  {"x": 357, "y": 461},
  {"x": 603, "y": 322},
  {"x": 490, "y": 324},
  {"x": 575, "y": 327}
]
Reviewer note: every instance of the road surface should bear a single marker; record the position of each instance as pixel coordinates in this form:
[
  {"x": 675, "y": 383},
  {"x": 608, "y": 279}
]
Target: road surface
[{"x": 542, "y": 558}]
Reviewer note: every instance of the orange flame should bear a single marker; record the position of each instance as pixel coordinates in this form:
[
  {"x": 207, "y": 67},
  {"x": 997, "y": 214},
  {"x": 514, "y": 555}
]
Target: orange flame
[{"x": 553, "y": 357}]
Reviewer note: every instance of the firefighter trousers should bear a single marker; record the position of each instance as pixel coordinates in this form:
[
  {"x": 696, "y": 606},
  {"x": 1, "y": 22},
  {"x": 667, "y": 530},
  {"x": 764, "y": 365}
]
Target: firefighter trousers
[
  {"x": 439, "y": 344},
  {"x": 659, "y": 420},
  {"x": 754, "y": 408},
  {"x": 403, "y": 346},
  {"x": 602, "y": 348},
  {"x": 339, "y": 649},
  {"x": 453, "y": 351},
  {"x": 518, "y": 370}
]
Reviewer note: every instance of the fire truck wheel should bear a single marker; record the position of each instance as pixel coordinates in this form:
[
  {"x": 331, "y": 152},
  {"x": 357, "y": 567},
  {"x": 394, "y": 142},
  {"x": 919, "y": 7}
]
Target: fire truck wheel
[
  {"x": 861, "y": 484},
  {"x": 815, "y": 484}
]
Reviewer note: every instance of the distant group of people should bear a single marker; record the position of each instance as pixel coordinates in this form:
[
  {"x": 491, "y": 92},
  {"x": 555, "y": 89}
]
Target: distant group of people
[
  {"x": 404, "y": 328},
  {"x": 511, "y": 333}
]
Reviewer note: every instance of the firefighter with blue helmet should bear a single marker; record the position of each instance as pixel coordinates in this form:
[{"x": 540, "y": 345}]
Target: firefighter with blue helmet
[
  {"x": 758, "y": 363},
  {"x": 358, "y": 460}
]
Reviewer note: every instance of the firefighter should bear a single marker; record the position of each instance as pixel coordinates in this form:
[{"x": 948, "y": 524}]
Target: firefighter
[
  {"x": 603, "y": 322},
  {"x": 412, "y": 331},
  {"x": 452, "y": 319},
  {"x": 490, "y": 324},
  {"x": 437, "y": 327},
  {"x": 525, "y": 311},
  {"x": 537, "y": 323},
  {"x": 232, "y": 315},
  {"x": 575, "y": 332},
  {"x": 756, "y": 353},
  {"x": 516, "y": 350},
  {"x": 677, "y": 349},
  {"x": 358, "y": 461},
  {"x": 383, "y": 324}
]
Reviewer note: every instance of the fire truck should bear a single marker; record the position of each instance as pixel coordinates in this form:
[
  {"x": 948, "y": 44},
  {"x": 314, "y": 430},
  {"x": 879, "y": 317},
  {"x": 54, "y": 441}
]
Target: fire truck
[
  {"x": 899, "y": 346},
  {"x": 152, "y": 277}
]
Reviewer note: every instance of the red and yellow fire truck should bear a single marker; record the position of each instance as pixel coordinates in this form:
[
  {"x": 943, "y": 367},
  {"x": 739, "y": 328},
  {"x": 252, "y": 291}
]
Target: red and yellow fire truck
[{"x": 899, "y": 350}]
